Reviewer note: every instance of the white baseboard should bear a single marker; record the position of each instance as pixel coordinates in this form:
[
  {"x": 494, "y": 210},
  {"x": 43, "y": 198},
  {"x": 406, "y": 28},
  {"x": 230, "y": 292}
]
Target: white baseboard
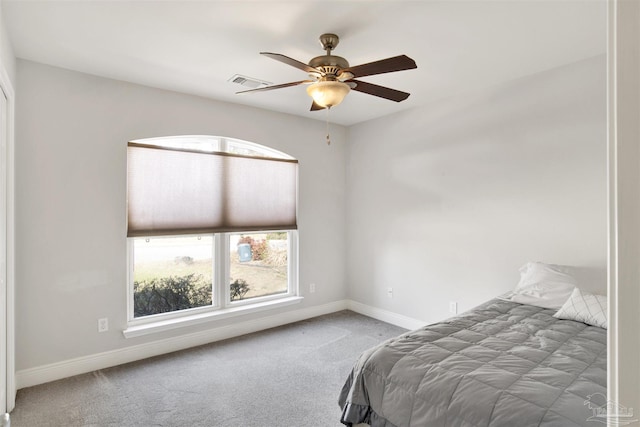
[
  {"x": 385, "y": 316},
  {"x": 81, "y": 365}
]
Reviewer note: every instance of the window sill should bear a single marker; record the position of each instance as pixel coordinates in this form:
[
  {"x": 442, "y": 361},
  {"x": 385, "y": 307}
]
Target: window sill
[{"x": 196, "y": 319}]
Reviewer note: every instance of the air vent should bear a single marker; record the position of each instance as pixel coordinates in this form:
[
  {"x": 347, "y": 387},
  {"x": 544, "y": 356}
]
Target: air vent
[{"x": 248, "y": 81}]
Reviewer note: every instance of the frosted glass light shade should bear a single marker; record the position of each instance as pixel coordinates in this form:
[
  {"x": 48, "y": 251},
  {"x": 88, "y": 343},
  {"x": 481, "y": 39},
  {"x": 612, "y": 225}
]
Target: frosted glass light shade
[{"x": 328, "y": 93}]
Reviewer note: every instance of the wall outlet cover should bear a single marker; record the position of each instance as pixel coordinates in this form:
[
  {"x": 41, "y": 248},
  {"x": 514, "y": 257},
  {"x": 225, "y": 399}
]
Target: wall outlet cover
[
  {"x": 103, "y": 324},
  {"x": 453, "y": 307}
]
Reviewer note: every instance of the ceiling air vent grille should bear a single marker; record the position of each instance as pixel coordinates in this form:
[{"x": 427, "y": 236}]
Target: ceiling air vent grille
[{"x": 248, "y": 81}]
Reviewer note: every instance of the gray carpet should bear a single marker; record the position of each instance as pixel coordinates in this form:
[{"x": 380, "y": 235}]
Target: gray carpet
[{"x": 283, "y": 377}]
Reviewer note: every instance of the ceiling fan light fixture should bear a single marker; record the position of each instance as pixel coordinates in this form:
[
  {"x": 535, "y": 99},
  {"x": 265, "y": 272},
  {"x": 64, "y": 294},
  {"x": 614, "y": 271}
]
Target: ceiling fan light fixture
[{"x": 328, "y": 93}]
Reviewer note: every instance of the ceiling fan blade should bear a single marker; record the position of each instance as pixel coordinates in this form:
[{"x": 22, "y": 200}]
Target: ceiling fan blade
[
  {"x": 262, "y": 89},
  {"x": 293, "y": 62},
  {"x": 389, "y": 65},
  {"x": 381, "y": 91},
  {"x": 316, "y": 107}
]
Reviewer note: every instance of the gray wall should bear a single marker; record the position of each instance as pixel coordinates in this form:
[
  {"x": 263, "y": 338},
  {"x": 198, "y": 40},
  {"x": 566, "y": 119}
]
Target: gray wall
[
  {"x": 446, "y": 202},
  {"x": 71, "y": 135}
]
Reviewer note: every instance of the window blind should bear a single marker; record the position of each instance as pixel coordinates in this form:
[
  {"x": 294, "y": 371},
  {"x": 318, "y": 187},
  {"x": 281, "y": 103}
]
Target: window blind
[{"x": 175, "y": 191}]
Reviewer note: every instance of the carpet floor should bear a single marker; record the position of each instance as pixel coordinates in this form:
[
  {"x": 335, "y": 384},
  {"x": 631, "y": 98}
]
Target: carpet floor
[{"x": 288, "y": 376}]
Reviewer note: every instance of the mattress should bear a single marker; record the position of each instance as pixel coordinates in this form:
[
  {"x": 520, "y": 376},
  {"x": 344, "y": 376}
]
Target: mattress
[{"x": 500, "y": 364}]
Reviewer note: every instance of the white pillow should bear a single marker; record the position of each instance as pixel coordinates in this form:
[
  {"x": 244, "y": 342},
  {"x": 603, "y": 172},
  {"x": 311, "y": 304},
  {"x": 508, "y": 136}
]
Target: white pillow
[
  {"x": 543, "y": 285},
  {"x": 586, "y": 308}
]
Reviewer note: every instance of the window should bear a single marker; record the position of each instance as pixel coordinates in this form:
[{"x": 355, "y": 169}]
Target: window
[
  {"x": 211, "y": 227},
  {"x": 172, "y": 274},
  {"x": 258, "y": 265}
]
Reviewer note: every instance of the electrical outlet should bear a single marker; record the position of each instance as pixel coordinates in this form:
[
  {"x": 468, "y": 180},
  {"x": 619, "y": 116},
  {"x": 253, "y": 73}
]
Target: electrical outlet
[
  {"x": 312, "y": 288},
  {"x": 103, "y": 324},
  {"x": 390, "y": 292},
  {"x": 453, "y": 307}
]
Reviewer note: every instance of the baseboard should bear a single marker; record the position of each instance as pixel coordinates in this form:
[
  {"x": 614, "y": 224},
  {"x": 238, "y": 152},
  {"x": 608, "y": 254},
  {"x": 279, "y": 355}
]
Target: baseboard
[
  {"x": 81, "y": 365},
  {"x": 94, "y": 362},
  {"x": 385, "y": 315}
]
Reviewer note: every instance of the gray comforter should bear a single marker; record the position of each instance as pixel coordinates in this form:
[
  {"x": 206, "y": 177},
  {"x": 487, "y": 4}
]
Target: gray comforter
[{"x": 500, "y": 364}]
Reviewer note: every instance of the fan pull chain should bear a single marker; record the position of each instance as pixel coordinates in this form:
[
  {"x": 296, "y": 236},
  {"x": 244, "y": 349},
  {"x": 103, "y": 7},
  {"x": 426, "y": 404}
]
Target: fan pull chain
[{"x": 328, "y": 136}]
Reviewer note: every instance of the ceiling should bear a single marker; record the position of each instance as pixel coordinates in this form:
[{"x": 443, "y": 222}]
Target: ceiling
[{"x": 195, "y": 47}]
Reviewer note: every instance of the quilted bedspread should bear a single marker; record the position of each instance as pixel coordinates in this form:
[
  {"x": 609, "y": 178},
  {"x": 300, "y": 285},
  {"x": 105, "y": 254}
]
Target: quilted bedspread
[{"x": 500, "y": 364}]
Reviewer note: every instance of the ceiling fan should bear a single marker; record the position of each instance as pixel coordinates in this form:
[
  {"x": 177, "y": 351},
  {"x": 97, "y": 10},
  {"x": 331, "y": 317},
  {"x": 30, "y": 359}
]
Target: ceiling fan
[{"x": 331, "y": 78}]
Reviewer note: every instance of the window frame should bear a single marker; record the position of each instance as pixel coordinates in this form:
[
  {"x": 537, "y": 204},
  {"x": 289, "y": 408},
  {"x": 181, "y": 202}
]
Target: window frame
[
  {"x": 221, "y": 307},
  {"x": 225, "y": 241},
  {"x": 132, "y": 320},
  {"x": 221, "y": 303}
]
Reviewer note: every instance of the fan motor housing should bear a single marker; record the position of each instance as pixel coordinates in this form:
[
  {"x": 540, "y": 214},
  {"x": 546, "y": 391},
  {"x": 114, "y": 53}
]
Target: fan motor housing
[{"x": 330, "y": 64}]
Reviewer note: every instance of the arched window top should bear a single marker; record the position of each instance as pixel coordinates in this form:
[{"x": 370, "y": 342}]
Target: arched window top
[{"x": 210, "y": 144}]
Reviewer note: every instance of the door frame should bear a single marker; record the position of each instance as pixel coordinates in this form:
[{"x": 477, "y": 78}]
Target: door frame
[
  {"x": 623, "y": 51},
  {"x": 7, "y": 88}
]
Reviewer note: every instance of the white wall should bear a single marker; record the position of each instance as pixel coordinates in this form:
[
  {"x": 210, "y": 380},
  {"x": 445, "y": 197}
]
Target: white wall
[
  {"x": 71, "y": 135},
  {"x": 446, "y": 202}
]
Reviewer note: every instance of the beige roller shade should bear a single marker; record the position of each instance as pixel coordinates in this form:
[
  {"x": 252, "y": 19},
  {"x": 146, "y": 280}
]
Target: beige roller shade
[{"x": 172, "y": 191}]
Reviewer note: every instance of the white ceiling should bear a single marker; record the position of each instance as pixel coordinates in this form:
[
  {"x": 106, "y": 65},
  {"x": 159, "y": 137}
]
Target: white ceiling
[{"x": 195, "y": 47}]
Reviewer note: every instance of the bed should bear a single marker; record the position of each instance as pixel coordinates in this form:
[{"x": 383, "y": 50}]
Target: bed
[{"x": 503, "y": 363}]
